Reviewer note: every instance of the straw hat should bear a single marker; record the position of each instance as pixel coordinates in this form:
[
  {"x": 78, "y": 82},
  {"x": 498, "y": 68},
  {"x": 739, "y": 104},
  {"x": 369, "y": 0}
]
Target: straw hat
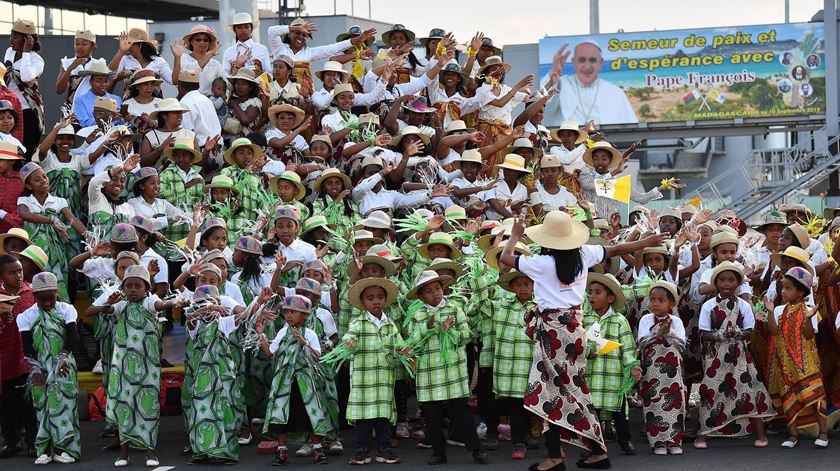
[
  {"x": 352, "y": 32},
  {"x": 660, "y": 249},
  {"x": 97, "y": 68},
  {"x": 492, "y": 255},
  {"x": 200, "y": 29},
  {"x": 550, "y": 161},
  {"x": 524, "y": 143},
  {"x": 418, "y": 105},
  {"x": 241, "y": 142},
  {"x": 248, "y": 245},
  {"x": 474, "y": 156},
  {"x": 330, "y": 173},
  {"x": 569, "y": 125},
  {"x": 424, "y": 278},
  {"x": 36, "y": 255},
  {"x": 221, "y": 181},
  {"x": 441, "y": 238},
  {"x": 456, "y": 126},
  {"x": 801, "y": 276},
  {"x": 44, "y": 281},
  {"x": 189, "y": 76},
  {"x": 354, "y": 295},
  {"x": 726, "y": 266},
  {"x": 454, "y": 67},
  {"x": 361, "y": 234},
  {"x": 675, "y": 213},
  {"x": 321, "y": 138},
  {"x": 639, "y": 209},
  {"x": 183, "y": 143},
  {"x": 723, "y": 237},
  {"x": 332, "y": 66},
  {"x": 292, "y": 177},
  {"x": 70, "y": 131},
  {"x": 514, "y": 162},
  {"x": 506, "y": 279},
  {"x": 9, "y": 151},
  {"x": 86, "y": 35},
  {"x": 241, "y": 19},
  {"x": 386, "y": 36},
  {"x": 137, "y": 35},
  {"x": 688, "y": 209},
  {"x": 373, "y": 256},
  {"x": 667, "y": 286},
  {"x": 24, "y": 26},
  {"x": 772, "y": 217},
  {"x": 603, "y": 145},
  {"x": 456, "y": 213},
  {"x": 612, "y": 285},
  {"x": 790, "y": 208},
  {"x": 5, "y": 298},
  {"x": 244, "y": 74},
  {"x": 105, "y": 103},
  {"x": 441, "y": 263},
  {"x": 14, "y": 232},
  {"x": 144, "y": 76},
  {"x": 168, "y": 105},
  {"x": 369, "y": 118},
  {"x": 371, "y": 160},
  {"x": 297, "y": 303},
  {"x": 315, "y": 222},
  {"x": 342, "y": 88},
  {"x": 801, "y": 234},
  {"x": 486, "y": 241},
  {"x": 558, "y": 231},
  {"x": 600, "y": 224},
  {"x": 795, "y": 253},
  {"x": 490, "y": 61},
  {"x": 376, "y": 219},
  {"x": 497, "y": 51}
]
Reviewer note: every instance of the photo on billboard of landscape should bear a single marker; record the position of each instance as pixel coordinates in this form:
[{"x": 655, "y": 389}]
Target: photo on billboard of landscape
[{"x": 699, "y": 74}]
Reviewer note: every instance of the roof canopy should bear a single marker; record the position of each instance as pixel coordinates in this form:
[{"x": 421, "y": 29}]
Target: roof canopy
[{"x": 146, "y": 9}]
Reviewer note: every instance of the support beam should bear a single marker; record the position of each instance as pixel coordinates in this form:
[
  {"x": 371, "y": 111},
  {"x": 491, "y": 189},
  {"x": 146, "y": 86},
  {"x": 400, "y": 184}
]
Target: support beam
[{"x": 832, "y": 97}]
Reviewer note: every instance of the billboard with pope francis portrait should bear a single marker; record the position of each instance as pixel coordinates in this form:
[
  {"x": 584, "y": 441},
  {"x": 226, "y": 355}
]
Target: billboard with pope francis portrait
[{"x": 671, "y": 76}]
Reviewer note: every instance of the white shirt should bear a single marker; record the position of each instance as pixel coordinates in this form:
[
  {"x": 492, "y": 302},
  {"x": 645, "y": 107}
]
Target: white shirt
[
  {"x": 138, "y": 109},
  {"x": 327, "y": 321},
  {"x": 706, "y": 278},
  {"x": 148, "y": 304},
  {"x": 364, "y": 196},
  {"x": 646, "y": 323},
  {"x": 210, "y": 72},
  {"x": 495, "y": 113},
  {"x": 163, "y": 274},
  {"x": 307, "y": 334},
  {"x": 571, "y": 159},
  {"x": 412, "y": 87},
  {"x": 84, "y": 84},
  {"x": 78, "y": 163},
  {"x": 9, "y": 138},
  {"x": 562, "y": 199},
  {"x": 158, "y": 64},
  {"x": 298, "y": 250},
  {"x": 254, "y": 286},
  {"x": 290, "y": 90},
  {"x": 26, "y": 319},
  {"x": 258, "y": 53},
  {"x": 323, "y": 98},
  {"x": 227, "y": 324},
  {"x": 705, "y": 320},
  {"x": 548, "y": 291},
  {"x": 503, "y": 194},
  {"x": 461, "y": 183},
  {"x": 54, "y": 203},
  {"x": 306, "y": 54},
  {"x": 159, "y": 212},
  {"x": 777, "y": 313},
  {"x": 298, "y": 142},
  {"x": 601, "y": 101},
  {"x": 466, "y": 105},
  {"x": 30, "y": 65},
  {"x": 201, "y": 118},
  {"x": 98, "y": 269},
  {"x": 233, "y": 292}
]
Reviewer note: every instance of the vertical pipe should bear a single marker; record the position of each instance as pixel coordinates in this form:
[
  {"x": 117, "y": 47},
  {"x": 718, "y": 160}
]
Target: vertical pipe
[
  {"x": 831, "y": 69},
  {"x": 593, "y": 17}
]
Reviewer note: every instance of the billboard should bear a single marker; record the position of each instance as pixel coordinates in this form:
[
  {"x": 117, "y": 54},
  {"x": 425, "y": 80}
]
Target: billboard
[{"x": 699, "y": 74}]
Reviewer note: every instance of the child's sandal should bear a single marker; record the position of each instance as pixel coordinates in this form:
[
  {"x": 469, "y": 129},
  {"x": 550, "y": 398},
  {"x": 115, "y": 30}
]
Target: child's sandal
[
  {"x": 700, "y": 444},
  {"x": 760, "y": 443},
  {"x": 790, "y": 442}
]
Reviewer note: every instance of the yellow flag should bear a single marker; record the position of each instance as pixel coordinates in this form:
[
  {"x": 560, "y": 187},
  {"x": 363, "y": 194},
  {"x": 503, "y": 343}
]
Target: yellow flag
[
  {"x": 593, "y": 334},
  {"x": 614, "y": 188},
  {"x": 696, "y": 201}
]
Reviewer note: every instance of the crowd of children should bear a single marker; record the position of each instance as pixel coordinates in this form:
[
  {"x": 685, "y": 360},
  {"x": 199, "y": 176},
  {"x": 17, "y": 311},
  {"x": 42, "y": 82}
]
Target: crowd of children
[{"x": 398, "y": 233}]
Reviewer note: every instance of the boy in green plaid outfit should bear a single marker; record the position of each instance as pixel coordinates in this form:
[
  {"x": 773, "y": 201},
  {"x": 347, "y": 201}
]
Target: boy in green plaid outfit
[
  {"x": 512, "y": 353},
  {"x": 374, "y": 341},
  {"x": 181, "y": 184},
  {"x": 439, "y": 334},
  {"x": 607, "y": 371},
  {"x": 241, "y": 155}
]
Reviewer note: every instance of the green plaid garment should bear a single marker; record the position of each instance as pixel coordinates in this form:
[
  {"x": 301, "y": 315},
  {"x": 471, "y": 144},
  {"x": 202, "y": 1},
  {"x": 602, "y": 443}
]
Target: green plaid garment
[
  {"x": 605, "y": 373},
  {"x": 436, "y": 381},
  {"x": 512, "y": 350},
  {"x": 414, "y": 263},
  {"x": 334, "y": 212},
  {"x": 372, "y": 369},
  {"x": 483, "y": 290},
  {"x": 249, "y": 186},
  {"x": 172, "y": 190}
]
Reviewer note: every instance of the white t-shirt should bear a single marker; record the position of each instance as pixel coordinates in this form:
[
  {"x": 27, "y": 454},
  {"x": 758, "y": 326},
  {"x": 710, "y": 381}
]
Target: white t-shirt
[
  {"x": 328, "y": 322},
  {"x": 548, "y": 291},
  {"x": 137, "y": 109},
  {"x": 705, "y": 320},
  {"x": 308, "y": 335},
  {"x": 777, "y": 313},
  {"x": 646, "y": 323},
  {"x": 52, "y": 202},
  {"x": 298, "y": 142},
  {"x": 28, "y": 317},
  {"x": 163, "y": 274},
  {"x": 562, "y": 199}
]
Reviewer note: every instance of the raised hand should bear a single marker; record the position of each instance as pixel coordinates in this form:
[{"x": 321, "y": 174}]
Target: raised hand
[
  {"x": 475, "y": 43},
  {"x": 177, "y": 49},
  {"x": 123, "y": 42},
  {"x": 441, "y": 190},
  {"x": 414, "y": 148},
  {"x": 362, "y": 38},
  {"x": 560, "y": 58},
  {"x": 435, "y": 222}
]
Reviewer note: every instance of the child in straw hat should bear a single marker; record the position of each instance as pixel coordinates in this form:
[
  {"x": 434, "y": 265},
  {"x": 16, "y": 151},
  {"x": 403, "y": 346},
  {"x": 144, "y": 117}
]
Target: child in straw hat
[
  {"x": 99, "y": 76},
  {"x": 333, "y": 200},
  {"x": 288, "y": 186},
  {"x": 48, "y": 331},
  {"x": 285, "y": 138},
  {"x": 241, "y": 158},
  {"x": 181, "y": 184},
  {"x": 62, "y": 165}
]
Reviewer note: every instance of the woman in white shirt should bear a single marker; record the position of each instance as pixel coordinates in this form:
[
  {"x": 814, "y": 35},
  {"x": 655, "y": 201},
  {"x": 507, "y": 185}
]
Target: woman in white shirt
[
  {"x": 84, "y": 45},
  {"x": 142, "y": 101},
  {"x": 137, "y": 52},
  {"x": 197, "y": 51},
  {"x": 22, "y": 79},
  {"x": 559, "y": 276}
]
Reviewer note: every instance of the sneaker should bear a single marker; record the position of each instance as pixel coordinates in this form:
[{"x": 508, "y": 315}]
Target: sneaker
[
  {"x": 402, "y": 430},
  {"x": 63, "y": 458},
  {"x": 387, "y": 456},
  {"x": 424, "y": 445},
  {"x": 336, "y": 448},
  {"x": 491, "y": 442},
  {"x": 281, "y": 457},
  {"x": 97, "y": 368},
  {"x": 304, "y": 450},
  {"x": 43, "y": 459},
  {"x": 361, "y": 456},
  {"x": 319, "y": 456}
]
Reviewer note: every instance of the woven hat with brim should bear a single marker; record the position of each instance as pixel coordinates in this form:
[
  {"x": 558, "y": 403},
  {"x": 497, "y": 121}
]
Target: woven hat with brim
[
  {"x": 29, "y": 169},
  {"x": 275, "y": 110},
  {"x": 772, "y": 217},
  {"x": 24, "y": 27},
  {"x": 362, "y": 234},
  {"x": 44, "y": 281},
  {"x": 297, "y": 303},
  {"x": 352, "y": 32},
  {"x": 128, "y": 254},
  {"x": 248, "y": 244},
  {"x": 200, "y": 29},
  {"x": 5, "y": 298},
  {"x": 137, "y": 35},
  {"x": 315, "y": 222},
  {"x": 97, "y": 68},
  {"x": 241, "y": 142},
  {"x": 486, "y": 241},
  {"x": 726, "y": 266},
  {"x": 473, "y": 156},
  {"x": 386, "y": 36},
  {"x": 569, "y": 125},
  {"x": 424, "y": 278},
  {"x": 36, "y": 255},
  {"x": 241, "y": 19},
  {"x": 441, "y": 238},
  {"x": 497, "y": 51},
  {"x": 354, "y": 295},
  {"x": 86, "y": 35},
  {"x": 491, "y": 61},
  {"x": 105, "y": 103},
  {"x": 373, "y": 256},
  {"x": 211, "y": 255},
  {"x": 660, "y": 249},
  {"x": 601, "y": 224},
  {"x": 287, "y": 212},
  {"x": 137, "y": 271},
  {"x": 688, "y": 209},
  {"x": 383, "y": 250},
  {"x": 144, "y": 173},
  {"x": 492, "y": 255},
  {"x": 330, "y": 173},
  {"x": 790, "y": 208},
  {"x": 550, "y": 161},
  {"x": 206, "y": 293},
  {"x": 292, "y": 177},
  {"x": 168, "y": 105},
  {"x": 558, "y": 231},
  {"x": 144, "y": 76},
  {"x": 612, "y": 284},
  {"x": 70, "y": 131},
  {"x": 371, "y": 160},
  {"x": 457, "y": 125},
  {"x": 795, "y": 253},
  {"x": 524, "y": 143},
  {"x": 244, "y": 74},
  {"x": 801, "y": 276},
  {"x": 321, "y": 138},
  {"x": 9, "y": 151},
  {"x": 410, "y": 131},
  {"x": 221, "y": 181},
  {"x": 507, "y": 279},
  {"x": 441, "y": 263},
  {"x": 14, "y": 232},
  {"x": 604, "y": 146},
  {"x": 342, "y": 88},
  {"x": 801, "y": 234},
  {"x": 184, "y": 143},
  {"x": 189, "y": 76},
  {"x": 377, "y": 219},
  {"x": 211, "y": 223},
  {"x": 332, "y": 66},
  {"x": 723, "y": 237},
  {"x": 667, "y": 286},
  {"x": 454, "y": 67},
  {"x": 211, "y": 268},
  {"x": 456, "y": 212},
  {"x": 308, "y": 285},
  {"x": 435, "y": 33},
  {"x": 123, "y": 234},
  {"x": 369, "y": 118}
]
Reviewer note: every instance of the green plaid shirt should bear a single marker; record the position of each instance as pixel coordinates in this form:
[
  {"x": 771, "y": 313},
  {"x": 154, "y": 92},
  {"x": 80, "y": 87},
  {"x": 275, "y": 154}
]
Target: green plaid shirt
[
  {"x": 605, "y": 373},
  {"x": 435, "y": 380},
  {"x": 172, "y": 189},
  {"x": 249, "y": 186},
  {"x": 334, "y": 212},
  {"x": 512, "y": 350},
  {"x": 372, "y": 369}
]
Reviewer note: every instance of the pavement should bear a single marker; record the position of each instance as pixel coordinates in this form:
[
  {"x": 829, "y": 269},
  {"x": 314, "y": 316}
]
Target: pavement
[{"x": 722, "y": 454}]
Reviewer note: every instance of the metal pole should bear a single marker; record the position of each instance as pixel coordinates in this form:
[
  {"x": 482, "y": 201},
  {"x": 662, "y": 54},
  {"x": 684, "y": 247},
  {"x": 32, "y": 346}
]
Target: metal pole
[
  {"x": 335, "y": 8},
  {"x": 832, "y": 108},
  {"x": 352, "y": 7},
  {"x": 787, "y": 11},
  {"x": 593, "y": 17},
  {"x": 370, "y": 13}
]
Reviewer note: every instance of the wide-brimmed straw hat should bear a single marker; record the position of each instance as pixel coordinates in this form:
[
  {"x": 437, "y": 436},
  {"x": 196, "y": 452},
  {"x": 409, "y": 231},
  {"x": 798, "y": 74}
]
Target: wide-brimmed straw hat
[
  {"x": 244, "y": 74},
  {"x": 424, "y": 278},
  {"x": 800, "y": 255},
  {"x": 352, "y": 32},
  {"x": 727, "y": 266},
  {"x": 376, "y": 219},
  {"x": 409, "y": 131},
  {"x": 274, "y": 110},
  {"x": 315, "y": 222},
  {"x": 514, "y": 162},
  {"x": 241, "y": 19},
  {"x": 441, "y": 238},
  {"x": 97, "y": 68},
  {"x": 184, "y": 143},
  {"x": 223, "y": 182},
  {"x": 15, "y": 233},
  {"x": 106, "y": 103},
  {"x": 292, "y": 177},
  {"x": 506, "y": 279},
  {"x": 474, "y": 156},
  {"x": 492, "y": 255},
  {"x": 456, "y": 125},
  {"x": 331, "y": 66},
  {"x": 24, "y": 26},
  {"x": 361, "y": 234},
  {"x": 200, "y": 29},
  {"x": 375, "y": 256},
  {"x": 667, "y": 286},
  {"x": 354, "y": 295},
  {"x": 144, "y": 76},
  {"x": 36, "y": 255},
  {"x": 524, "y": 143},
  {"x": 612, "y": 285},
  {"x": 493, "y": 60},
  {"x": 801, "y": 234},
  {"x": 241, "y": 142},
  {"x": 441, "y": 263},
  {"x": 569, "y": 125},
  {"x": 330, "y": 173},
  {"x": 168, "y": 105},
  {"x": 603, "y": 145},
  {"x": 558, "y": 231}
]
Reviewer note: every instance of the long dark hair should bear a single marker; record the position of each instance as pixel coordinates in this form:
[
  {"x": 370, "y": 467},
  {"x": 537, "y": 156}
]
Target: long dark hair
[
  {"x": 251, "y": 269},
  {"x": 148, "y": 51},
  {"x": 567, "y": 264}
]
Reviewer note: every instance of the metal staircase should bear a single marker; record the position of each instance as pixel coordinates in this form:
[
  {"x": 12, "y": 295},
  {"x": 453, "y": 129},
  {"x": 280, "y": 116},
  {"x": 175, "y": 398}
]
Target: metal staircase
[{"x": 769, "y": 176}]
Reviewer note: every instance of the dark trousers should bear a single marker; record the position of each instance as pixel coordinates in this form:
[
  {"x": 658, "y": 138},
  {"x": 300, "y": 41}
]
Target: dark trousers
[
  {"x": 520, "y": 419},
  {"x": 364, "y": 433},
  {"x": 31, "y": 133},
  {"x": 401, "y": 398},
  {"x": 488, "y": 407},
  {"x": 460, "y": 419},
  {"x": 16, "y": 410},
  {"x": 555, "y": 446},
  {"x": 342, "y": 386},
  {"x": 622, "y": 425}
]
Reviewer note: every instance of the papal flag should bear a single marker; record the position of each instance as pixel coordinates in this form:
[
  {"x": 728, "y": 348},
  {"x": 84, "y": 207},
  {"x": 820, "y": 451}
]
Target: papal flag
[
  {"x": 593, "y": 334},
  {"x": 614, "y": 188}
]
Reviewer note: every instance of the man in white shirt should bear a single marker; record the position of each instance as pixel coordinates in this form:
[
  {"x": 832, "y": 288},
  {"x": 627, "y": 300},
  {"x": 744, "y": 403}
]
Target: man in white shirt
[
  {"x": 585, "y": 96},
  {"x": 201, "y": 118},
  {"x": 258, "y": 60}
]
